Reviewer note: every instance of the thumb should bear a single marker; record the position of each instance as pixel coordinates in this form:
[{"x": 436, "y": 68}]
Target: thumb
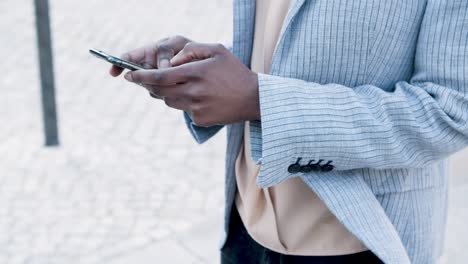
[
  {"x": 193, "y": 52},
  {"x": 164, "y": 56}
]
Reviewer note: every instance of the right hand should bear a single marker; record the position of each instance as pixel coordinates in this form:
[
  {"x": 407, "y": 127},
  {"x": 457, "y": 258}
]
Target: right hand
[{"x": 156, "y": 56}]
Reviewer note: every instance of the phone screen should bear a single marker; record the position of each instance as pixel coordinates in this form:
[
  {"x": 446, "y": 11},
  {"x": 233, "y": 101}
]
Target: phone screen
[{"x": 115, "y": 60}]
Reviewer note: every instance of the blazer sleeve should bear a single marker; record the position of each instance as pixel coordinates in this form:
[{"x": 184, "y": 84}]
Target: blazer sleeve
[
  {"x": 201, "y": 134},
  {"x": 420, "y": 121}
]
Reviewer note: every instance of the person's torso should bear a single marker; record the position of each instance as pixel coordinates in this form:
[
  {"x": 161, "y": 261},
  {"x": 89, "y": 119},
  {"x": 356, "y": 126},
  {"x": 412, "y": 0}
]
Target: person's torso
[
  {"x": 355, "y": 43},
  {"x": 287, "y": 218}
]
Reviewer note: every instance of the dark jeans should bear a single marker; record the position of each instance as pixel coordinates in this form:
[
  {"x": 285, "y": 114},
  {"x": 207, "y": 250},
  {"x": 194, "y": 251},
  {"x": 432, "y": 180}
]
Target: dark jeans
[{"x": 240, "y": 248}]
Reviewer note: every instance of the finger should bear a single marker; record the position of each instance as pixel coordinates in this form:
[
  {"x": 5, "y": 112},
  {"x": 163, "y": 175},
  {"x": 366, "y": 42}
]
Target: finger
[
  {"x": 162, "y": 77},
  {"x": 153, "y": 56},
  {"x": 136, "y": 56},
  {"x": 178, "y": 90},
  {"x": 115, "y": 71},
  {"x": 167, "y": 48},
  {"x": 164, "y": 54},
  {"x": 155, "y": 96},
  {"x": 195, "y": 51},
  {"x": 176, "y": 43},
  {"x": 176, "y": 103},
  {"x": 152, "y": 90}
]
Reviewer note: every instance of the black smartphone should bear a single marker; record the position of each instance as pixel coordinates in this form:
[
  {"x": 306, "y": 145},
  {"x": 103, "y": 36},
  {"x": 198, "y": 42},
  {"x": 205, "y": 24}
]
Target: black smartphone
[{"x": 115, "y": 60}]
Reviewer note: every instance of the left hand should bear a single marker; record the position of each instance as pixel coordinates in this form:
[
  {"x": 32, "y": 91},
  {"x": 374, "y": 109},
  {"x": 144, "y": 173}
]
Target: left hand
[{"x": 207, "y": 82}]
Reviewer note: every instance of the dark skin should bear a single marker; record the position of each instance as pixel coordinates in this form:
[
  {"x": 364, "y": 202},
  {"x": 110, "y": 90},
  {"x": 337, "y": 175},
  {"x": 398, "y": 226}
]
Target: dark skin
[{"x": 205, "y": 80}]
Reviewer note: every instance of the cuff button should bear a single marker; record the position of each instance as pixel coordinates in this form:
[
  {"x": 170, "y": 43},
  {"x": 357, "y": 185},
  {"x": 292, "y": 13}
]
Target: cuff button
[
  {"x": 316, "y": 166},
  {"x": 307, "y": 168},
  {"x": 327, "y": 167},
  {"x": 295, "y": 168}
]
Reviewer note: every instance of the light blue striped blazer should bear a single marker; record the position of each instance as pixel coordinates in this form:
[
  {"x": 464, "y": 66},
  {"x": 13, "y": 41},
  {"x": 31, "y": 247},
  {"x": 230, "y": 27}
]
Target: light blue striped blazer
[{"x": 379, "y": 87}]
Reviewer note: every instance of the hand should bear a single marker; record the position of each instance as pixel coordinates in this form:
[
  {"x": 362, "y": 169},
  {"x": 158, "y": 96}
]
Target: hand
[
  {"x": 156, "y": 56},
  {"x": 207, "y": 82}
]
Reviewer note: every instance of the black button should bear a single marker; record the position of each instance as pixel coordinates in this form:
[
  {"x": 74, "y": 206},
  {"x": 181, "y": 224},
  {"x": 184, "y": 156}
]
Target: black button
[
  {"x": 296, "y": 167},
  {"x": 316, "y": 166},
  {"x": 307, "y": 168},
  {"x": 328, "y": 167}
]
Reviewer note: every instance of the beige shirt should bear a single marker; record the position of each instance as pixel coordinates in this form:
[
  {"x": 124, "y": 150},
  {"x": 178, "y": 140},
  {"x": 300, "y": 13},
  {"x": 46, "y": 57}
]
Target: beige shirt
[{"x": 288, "y": 218}]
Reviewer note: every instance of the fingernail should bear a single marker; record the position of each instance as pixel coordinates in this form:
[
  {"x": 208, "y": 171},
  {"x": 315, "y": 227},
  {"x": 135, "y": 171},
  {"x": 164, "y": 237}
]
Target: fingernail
[
  {"x": 128, "y": 76},
  {"x": 164, "y": 63}
]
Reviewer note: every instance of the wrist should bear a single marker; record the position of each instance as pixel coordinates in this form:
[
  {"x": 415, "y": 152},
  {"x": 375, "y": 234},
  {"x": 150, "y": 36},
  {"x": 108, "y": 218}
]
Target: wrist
[{"x": 254, "y": 102}]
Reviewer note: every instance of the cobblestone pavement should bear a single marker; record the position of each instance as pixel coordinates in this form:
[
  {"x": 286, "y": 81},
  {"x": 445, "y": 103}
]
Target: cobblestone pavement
[
  {"x": 128, "y": 175},
  {"x": 128, "y": 184}
]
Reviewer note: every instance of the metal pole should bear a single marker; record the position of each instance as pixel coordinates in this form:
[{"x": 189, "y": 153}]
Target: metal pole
[{"x": 47, "y": 72}]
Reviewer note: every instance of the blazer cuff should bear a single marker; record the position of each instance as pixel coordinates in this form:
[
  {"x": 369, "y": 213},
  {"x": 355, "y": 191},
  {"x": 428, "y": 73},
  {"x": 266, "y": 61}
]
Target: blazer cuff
[
  {"x": 276, "y": 140},
  {"x": 199, "y": 133}
]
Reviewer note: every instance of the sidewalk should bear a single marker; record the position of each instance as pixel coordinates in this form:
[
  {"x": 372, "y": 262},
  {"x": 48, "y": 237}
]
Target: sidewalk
[{"x": 128, "y": 183}]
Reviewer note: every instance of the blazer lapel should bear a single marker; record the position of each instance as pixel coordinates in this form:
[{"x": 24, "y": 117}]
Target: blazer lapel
[
  {"x": 244, "y": 24},
  {"x": 296, "y": 6}
]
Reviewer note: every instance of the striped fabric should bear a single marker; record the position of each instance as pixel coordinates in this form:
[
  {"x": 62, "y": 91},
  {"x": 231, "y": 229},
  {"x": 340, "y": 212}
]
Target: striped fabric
[{"x": 378, "y": 87}]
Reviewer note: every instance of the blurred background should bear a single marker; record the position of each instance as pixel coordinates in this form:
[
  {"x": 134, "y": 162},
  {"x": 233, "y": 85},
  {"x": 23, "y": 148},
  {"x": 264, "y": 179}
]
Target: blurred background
[{"x": 127, "y": 184}]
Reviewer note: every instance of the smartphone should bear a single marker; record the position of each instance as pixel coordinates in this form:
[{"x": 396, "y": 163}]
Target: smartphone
[{"x": 115, "y": 60}]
